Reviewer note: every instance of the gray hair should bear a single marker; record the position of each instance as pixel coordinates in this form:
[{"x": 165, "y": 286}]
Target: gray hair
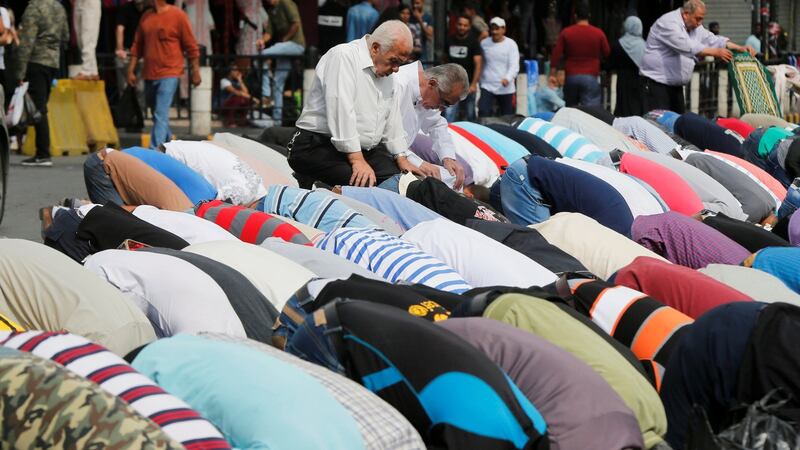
[
  {"x": 389, "y": 33},
  {"x": 691, "y": 6},
  {"x": 449, "y": 75}
]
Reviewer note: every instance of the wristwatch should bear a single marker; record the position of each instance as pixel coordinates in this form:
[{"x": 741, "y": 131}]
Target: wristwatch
[{"x": 402, "y": 154}]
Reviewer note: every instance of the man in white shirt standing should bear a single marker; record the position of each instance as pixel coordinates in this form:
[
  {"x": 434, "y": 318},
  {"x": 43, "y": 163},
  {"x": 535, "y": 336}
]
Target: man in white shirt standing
[
  {"x": 350, "y": 129},
  {"x": 500, "y": 69},
  {"x": 423, "y": 95}
]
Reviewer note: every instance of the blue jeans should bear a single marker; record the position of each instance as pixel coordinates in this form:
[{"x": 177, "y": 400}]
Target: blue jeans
[
  {"x": 98, "y": 183},
  {"x": 282, "y": 67},
  {"x": 451, "y": 113},
  {"x": 159, "y": 95},
  {"x": 391, "y": 184},
  {"x": 306, "y": 339},
  {"x": 582, "y": 90},
  {"x": 486, "y": 104},
  {"x": 790, "y": 203},
  {"x": 522, "y": 203}
]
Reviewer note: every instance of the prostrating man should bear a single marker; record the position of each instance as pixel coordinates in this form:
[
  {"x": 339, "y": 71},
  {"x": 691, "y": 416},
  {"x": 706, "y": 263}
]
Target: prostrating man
[
  {"x": 423, "y": 94},
  {"x": 45, "y": 290},
  {"x": 351, "y": 128},
  {"x": 568, "y": 397},
  {"x": 164, "y": 34},
  {"x": 43, "y": 29},
  {"x": 675, "y": 40},
  {"x": 464, "y": 48}
]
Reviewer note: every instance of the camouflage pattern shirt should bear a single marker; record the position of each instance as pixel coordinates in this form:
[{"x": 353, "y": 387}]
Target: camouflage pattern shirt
[{"x": 43, "y": 30}]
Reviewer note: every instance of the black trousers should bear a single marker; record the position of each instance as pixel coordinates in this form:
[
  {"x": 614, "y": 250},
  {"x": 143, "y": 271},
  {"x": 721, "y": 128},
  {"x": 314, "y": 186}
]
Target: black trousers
[
  {"x": 40, "y": 79},
  {"x": 662, "y": 96},
  {"x": 314, "y": 158}
]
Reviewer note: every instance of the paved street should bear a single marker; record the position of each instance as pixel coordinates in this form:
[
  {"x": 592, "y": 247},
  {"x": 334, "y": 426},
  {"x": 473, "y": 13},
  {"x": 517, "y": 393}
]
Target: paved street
[{"x": 30, "y": 188}]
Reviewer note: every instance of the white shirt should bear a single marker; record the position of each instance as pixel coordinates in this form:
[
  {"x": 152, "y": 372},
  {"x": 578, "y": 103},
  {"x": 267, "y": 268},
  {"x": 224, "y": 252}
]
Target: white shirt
[
  {"x": 275, "y": 160},
  {"x": 484, "y": 170},
  {"x": 234, "y": 180},
  {"x": 276, "y": 277},
  {"x": 601, "y": 250},
  {"x": 481, "y": 260},
  {"x": 351, "y": 104},
  {"x": 189, "y": 227},
  {"x": 639, "y": 200},
  {"x": 500, "y": 61},
  {"x": 600, "y": 133},
  {"x": 176, "y": 296},
  {"x": 416, "y": 117}
]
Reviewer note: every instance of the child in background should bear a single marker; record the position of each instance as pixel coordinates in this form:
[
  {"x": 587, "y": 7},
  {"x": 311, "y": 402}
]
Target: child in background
[{"x": 550, "y": 97}]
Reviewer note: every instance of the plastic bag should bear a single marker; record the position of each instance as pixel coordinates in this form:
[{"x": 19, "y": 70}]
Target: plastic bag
[
  {"x": 759, "y": 429},
  {"x": 22, "y": 112}
]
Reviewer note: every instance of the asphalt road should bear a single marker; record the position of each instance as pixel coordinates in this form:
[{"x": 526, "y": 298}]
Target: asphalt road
[{"x": 30, "y": 188}]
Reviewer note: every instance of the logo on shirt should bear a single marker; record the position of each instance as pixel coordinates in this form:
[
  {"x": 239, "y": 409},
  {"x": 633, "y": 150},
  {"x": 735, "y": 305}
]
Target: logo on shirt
[
  {"x": 330, "y": 21},
  {"x": 430, "y": 310},
  {"x": 458, "y": 51},
  {"x": 485, "y": 213}
]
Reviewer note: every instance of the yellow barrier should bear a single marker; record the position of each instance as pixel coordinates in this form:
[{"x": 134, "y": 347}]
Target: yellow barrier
[
  {"x": 79, "y": 119},
  {"x": 792, "y": 117}
]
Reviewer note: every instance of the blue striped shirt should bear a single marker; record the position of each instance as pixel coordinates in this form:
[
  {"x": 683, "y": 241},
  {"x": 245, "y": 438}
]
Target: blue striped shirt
[
  {"x": 566, "y": 141},
  {"x": 313, "y": 208},
  {"x": 392, "y": 258},
  {"x": 508, "y": 148}
]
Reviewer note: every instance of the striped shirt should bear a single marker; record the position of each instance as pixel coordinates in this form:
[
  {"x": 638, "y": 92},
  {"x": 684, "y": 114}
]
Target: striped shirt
[
  {"x": 392, "y": 258},
  {"x": 496, "y": 158},
  {"x": 508, "y": 148},
  {"x": 566, "y": 141},
  {"x": 117, "y": 377},
  {"x": 649, "y": 328},
  {"x": 646, "y": 133},
  {"x": 313, "y": 208},
  {"x": 249, "y": 225}
]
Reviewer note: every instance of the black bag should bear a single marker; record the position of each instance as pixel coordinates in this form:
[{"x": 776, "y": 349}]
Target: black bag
[{"x": 127, "y": 113}]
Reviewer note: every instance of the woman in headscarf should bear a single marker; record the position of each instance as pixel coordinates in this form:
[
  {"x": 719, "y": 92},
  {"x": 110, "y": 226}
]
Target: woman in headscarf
[{"x": 626, "y": 55}]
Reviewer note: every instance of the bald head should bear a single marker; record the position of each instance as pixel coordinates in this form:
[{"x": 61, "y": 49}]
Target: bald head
[{"x": 390, "y": 46}]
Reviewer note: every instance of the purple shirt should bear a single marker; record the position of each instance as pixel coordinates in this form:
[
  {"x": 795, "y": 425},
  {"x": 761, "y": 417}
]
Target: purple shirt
[
  {"x": 582, "y": 410},
  {"x": 686, "y": 241},
  {"x": 670, "y": 55},
  {"x": 794, "y": 228}
]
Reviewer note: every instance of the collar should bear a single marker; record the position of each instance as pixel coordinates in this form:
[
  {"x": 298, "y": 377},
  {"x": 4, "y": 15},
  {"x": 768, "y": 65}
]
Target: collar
[
  {"x": 364, "y": 58},
  {"x": 415, "y": 92}
]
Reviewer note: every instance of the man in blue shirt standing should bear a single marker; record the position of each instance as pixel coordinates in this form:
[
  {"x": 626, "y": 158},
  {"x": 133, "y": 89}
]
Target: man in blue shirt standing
[
  {"x": 675, "y": 42},
  {"x": 361, "y": 19}
]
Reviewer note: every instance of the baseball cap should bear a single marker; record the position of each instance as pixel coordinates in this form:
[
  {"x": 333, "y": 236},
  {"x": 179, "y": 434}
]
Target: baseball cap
[{"x": 498, "y": 21}]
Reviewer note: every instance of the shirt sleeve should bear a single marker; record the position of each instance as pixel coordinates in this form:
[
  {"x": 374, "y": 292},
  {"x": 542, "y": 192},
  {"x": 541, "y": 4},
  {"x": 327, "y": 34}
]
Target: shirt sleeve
[
  {"x": 605, "y": 47},
  {"x": 291, "y": 12},
  {"x": 394, "y": 136},
  {"x": 435, "y": 125},
  {"x": 27, "y": 38},
  {"x": 675, "y": 37},
  {"x": 513, "y": 62},
  {"x": 709, "y": 39},
  {"x": 339, "y": 84}
]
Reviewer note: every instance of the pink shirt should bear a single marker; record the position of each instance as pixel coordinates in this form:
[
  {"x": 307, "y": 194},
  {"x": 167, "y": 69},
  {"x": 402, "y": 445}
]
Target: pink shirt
[{"x": 675, "y": 192}]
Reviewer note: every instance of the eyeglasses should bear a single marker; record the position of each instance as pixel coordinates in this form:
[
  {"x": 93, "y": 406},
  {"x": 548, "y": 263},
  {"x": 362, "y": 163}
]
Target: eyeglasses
[{"x": 443, "y": 103}]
